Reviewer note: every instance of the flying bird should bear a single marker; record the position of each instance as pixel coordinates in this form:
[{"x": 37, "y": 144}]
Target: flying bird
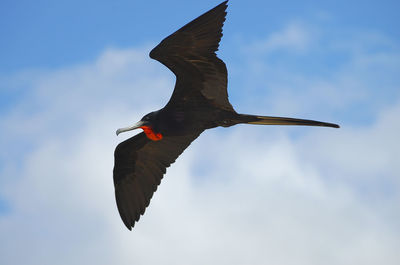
[{"x": 199, "y": 102}]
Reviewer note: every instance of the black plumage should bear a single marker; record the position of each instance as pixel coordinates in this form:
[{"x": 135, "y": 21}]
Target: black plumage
[{"x": 199, "y": 102}]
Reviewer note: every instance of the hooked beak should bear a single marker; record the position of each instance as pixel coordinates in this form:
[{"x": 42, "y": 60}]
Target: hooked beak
[{"x": 133, "y": 127}]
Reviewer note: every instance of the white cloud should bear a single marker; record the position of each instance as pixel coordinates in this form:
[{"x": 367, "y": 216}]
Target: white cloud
[
  {"x": 243, "y": 195},
  {"x": 356, "y": 73},
  {"x": 294, "y": 37}
]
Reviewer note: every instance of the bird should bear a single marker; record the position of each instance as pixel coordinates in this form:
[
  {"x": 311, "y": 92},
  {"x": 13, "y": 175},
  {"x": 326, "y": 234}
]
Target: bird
[{"x": 199, "y": 102}]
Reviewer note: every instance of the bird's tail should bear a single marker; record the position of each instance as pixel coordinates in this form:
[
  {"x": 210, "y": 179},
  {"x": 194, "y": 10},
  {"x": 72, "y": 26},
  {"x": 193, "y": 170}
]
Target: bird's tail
[{"x": 268, "y": 120}]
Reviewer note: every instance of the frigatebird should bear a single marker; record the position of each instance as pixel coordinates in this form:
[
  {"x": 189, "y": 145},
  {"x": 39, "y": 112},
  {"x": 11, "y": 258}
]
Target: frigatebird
[{"x": 199, "y": 102}]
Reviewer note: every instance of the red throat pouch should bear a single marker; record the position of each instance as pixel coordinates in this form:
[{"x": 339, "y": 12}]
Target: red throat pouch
[{"x": 151, "y": 134}]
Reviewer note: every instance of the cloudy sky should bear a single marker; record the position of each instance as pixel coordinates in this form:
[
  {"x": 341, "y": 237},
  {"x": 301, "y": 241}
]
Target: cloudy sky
[{"x": 72, "y": 72}]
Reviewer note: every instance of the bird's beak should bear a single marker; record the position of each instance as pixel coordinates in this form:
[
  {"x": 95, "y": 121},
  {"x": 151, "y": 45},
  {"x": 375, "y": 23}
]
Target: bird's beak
[{"x": 130, "y": 128}]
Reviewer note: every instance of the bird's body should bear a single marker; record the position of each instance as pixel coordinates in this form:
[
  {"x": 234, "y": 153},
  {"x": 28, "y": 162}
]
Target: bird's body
[{"x": 199, "y": 102}]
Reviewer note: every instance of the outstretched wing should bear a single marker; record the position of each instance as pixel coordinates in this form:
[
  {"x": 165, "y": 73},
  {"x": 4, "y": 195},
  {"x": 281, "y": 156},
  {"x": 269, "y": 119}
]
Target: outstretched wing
[
  {"x": 190, "y": 54},
  {"x": 139, "y": 167}
]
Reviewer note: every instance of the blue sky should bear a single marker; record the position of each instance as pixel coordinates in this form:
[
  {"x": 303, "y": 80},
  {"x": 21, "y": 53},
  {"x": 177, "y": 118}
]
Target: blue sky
[
  {"x": 46, "y": 35},
  {"x": 50, "y": 34},
  {"x": 72, "y": 72}
]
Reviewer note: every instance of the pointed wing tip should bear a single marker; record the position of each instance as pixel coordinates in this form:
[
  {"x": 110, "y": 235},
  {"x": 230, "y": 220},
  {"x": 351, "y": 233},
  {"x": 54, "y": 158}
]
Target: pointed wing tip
[
  {"x": 225, "y": 3},
  {"x": 218, "y": 11},
  {"x": 129, "y": 227},
  {"x": 129, "y": 223}
]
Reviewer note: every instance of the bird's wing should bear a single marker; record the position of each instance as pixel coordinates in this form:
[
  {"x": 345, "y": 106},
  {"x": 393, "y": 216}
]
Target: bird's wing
[
  {"x": 190, "y": 54},
  {"x": 139, "y": 167}
]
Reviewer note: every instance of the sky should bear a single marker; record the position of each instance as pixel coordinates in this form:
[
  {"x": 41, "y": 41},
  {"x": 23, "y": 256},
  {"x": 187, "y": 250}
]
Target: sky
[{"x": 72, "y": 72}]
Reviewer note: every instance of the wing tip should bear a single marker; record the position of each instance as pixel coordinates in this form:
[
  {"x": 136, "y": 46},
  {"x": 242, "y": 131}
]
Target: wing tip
[
  {"x": 219, "y": 11},
  {"x": 129, "y": 226},
  {"x": 128, "y": 222},
  {"x": 224, "y": 3}
]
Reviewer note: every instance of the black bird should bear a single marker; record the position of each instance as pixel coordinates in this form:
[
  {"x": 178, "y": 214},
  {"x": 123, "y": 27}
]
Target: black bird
[{"x": 199, "y": 102}]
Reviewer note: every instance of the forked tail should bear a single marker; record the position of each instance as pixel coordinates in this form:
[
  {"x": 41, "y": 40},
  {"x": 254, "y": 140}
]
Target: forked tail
[{"x": 268, "y": 120}]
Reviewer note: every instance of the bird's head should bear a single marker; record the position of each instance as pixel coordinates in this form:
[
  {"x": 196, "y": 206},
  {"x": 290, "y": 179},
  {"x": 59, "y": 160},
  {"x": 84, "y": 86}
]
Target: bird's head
[{"x": 147, "y": 123}]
